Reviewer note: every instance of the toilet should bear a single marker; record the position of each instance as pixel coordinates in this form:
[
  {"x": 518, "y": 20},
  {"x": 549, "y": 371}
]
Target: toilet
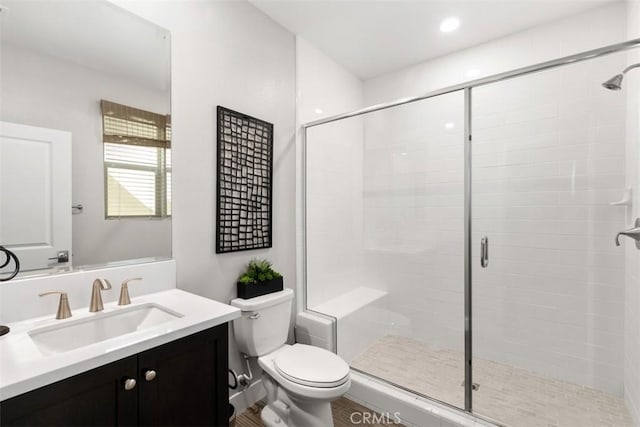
[{"x": 301, "y": 380}]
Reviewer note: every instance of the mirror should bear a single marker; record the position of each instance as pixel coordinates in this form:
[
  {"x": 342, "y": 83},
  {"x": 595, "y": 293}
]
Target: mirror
[{"x": 85, "y": 151}]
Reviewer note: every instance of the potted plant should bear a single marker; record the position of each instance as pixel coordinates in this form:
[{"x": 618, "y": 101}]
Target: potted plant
[{"x": 259, "y": 279}]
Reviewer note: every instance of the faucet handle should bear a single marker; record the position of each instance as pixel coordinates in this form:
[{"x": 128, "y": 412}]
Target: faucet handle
[
  {"x": 124, "y": 291},
  {"x": 64, "y": 310}
]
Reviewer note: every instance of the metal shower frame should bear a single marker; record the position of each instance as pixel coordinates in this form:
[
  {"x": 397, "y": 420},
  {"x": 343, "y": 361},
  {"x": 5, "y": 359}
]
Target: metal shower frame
[{"x": 467, "y": 88}]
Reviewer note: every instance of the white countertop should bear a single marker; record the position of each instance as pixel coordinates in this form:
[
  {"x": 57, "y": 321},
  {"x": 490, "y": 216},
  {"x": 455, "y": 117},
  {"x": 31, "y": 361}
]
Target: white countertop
[{"x": 24, "y": 367}]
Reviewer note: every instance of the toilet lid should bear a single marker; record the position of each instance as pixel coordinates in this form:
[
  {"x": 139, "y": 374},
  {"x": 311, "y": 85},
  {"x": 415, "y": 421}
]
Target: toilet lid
[{"x": 312, "y": 366}]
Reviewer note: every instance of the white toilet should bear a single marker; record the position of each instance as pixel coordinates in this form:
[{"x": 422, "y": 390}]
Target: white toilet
[{"x": 301, "y": 380}]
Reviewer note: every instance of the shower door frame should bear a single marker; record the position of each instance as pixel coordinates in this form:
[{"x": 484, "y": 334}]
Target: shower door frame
[{"x": 467, "y": 88}]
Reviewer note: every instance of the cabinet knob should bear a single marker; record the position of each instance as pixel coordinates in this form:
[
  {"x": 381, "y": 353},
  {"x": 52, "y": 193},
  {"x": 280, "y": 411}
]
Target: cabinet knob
[
  {"x": 150, "y": 375},
  {"x": 129, "y": 384}
]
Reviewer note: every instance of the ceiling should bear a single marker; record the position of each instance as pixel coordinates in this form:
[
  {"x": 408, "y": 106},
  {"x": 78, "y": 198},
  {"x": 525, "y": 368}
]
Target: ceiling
[
  {"x": 92, "y": 34},
  {"x": 373, "y": 37}
]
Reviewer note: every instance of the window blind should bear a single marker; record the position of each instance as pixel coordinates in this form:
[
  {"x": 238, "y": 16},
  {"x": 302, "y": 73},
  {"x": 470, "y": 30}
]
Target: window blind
[
  {"x": 137, "y": 161},
  {"x": 127, "y": 125}
]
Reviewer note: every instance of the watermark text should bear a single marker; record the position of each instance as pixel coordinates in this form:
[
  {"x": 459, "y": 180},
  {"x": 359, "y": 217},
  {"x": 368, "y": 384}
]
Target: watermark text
[{"x": 364, "y": 418}]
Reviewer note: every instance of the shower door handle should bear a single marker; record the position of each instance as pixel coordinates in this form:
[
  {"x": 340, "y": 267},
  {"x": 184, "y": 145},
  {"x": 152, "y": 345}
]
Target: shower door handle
[{"x": 484, "y": 252}]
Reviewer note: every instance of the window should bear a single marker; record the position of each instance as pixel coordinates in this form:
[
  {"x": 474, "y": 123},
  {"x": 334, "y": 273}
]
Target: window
[{"x": 137, "y": 162}]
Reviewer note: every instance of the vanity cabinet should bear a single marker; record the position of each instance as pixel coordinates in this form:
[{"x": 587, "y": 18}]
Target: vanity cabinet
[
  {"x": 181, "y": 383},
  {"x": 191, "y": 383},
  {"x": 94, "y": 398}
]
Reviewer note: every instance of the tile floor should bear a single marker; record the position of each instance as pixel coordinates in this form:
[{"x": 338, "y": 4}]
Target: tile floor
[
  {"x": 343, "y": 415},
  {"x": 511, "y": 396}
]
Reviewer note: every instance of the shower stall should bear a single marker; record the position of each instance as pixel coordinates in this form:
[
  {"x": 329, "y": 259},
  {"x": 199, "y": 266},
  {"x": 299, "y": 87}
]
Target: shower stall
[{"x": 462, "y": 243}]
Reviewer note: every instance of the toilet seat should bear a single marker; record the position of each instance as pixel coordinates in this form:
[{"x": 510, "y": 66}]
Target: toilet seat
[
  {"x": 293, "y": 387},
  {"x": 311, "y": 366}
]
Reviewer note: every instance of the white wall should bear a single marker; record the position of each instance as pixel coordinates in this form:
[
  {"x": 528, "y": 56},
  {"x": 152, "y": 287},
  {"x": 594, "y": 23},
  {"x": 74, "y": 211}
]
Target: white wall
[
  {"x": 632, "y": 278},
  {"x": 41, "y": 90},
  {"x": 548, "y": 157},
  {"x": 229, "y": 54},
  {"x": 334, "y": 176}
]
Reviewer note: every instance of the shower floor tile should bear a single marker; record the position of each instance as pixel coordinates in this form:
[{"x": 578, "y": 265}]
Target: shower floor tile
[{"x": 511, "y": 396}]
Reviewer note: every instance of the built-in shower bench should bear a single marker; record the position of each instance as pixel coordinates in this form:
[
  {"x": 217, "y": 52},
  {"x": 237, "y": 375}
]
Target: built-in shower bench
[{"x": 361, "y": 318}]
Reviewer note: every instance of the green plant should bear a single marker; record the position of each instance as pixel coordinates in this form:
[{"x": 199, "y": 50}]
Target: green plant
[{"x": 258, "y": 270}]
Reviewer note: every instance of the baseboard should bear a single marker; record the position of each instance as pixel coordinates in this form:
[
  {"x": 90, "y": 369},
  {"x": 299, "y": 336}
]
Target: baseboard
[{"x": 241, "y": 400}]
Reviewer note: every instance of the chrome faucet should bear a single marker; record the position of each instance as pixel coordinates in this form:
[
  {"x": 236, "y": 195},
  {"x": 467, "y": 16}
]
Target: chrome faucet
[{"x": 96, "y": 296}]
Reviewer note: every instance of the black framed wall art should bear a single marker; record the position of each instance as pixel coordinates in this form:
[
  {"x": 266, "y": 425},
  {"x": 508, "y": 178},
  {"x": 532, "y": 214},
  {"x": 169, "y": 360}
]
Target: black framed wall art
[{"x": 244, "y": 182}]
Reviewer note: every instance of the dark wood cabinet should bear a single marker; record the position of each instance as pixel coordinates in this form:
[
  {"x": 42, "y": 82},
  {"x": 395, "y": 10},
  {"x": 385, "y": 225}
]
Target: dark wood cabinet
[
  {"x": 94, "y": 398},
  {"x": 181, "y": 383},
  {"x": 190, "y": 378}
]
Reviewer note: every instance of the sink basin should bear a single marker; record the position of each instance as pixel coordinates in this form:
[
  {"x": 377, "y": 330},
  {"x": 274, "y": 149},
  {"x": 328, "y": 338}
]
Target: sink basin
[{"x": 100, "y": 327}]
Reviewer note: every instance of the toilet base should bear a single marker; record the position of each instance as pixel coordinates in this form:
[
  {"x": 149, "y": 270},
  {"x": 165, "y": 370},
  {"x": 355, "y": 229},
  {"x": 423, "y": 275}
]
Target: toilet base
[
  {"x": 285, "y": 410},
  {"x": 270, "y": 418}
]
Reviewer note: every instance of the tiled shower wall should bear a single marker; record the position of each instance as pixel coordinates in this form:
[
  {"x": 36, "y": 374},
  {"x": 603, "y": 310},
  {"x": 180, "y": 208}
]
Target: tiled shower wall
[
  {"x": 413, "y": 217},
  {"x": 334, "y": 210},
  {"x": 548, "y": 158},
  {"x": 632, "y": 296},
  {"x": 334, "y": 174}
]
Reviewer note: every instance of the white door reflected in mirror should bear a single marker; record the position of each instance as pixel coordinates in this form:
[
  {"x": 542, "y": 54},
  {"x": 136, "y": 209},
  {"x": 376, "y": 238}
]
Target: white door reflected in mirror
[
  {"x": 35, "y": 194},
  {"x": 53, "y": 74}
]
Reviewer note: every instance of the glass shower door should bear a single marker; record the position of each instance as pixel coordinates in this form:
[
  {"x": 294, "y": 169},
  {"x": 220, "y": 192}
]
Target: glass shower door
[
  {"x": 385, "y": 242},
  {"x": 548, "y": 158}
]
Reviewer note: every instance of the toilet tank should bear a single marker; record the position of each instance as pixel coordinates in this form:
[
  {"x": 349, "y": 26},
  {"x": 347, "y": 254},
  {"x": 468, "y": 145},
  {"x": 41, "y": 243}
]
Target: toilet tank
[{"x": 264, "y": 324}]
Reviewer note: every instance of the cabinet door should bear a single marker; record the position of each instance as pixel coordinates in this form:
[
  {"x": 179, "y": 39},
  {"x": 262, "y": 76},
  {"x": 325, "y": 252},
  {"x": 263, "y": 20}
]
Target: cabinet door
[
  {"x": 190, "y": 384},
  {"x": 94, "y": 398}
]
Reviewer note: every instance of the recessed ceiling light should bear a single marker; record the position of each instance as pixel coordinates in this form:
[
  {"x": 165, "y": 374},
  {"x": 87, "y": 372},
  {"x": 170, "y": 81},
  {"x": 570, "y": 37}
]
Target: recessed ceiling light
[
  {"x": 449, "y": 24},
  {"x": 472, "y": 72},
  {"x": 449, "y": 125},
  {"x": 403, "y": 153},
  {"x": 318, "y": 111}
]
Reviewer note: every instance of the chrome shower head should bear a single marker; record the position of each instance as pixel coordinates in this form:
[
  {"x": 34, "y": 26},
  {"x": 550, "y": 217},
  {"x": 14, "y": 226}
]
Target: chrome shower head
[{"x": 615, "y": 82}]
